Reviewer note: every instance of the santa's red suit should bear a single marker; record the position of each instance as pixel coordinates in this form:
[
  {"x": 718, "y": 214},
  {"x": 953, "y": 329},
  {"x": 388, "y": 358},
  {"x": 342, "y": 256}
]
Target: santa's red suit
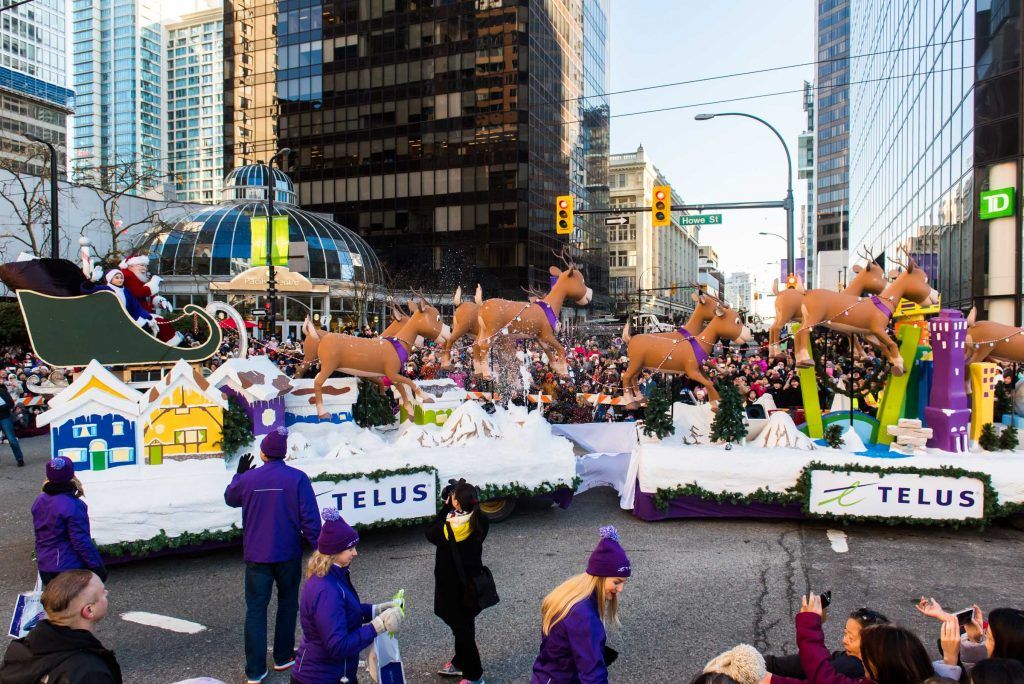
[{"x": 133, "y": 269}]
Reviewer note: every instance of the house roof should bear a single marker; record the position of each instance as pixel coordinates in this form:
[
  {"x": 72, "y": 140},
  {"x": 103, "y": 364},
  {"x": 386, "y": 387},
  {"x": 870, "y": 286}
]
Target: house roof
[
  {"x": 94, "y": 381},
  {"x": 90, "y": 403},
  {"x": 181, "y": 375},
  {"x": 256, "y": 378}
]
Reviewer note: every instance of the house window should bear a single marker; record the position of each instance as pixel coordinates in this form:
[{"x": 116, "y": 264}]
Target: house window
[
  {"x": 82, "y": 431},
  {"x": 117, "y": 428},
  {"x": 121, "y": 456},
  {"x": 195, "y": 436},
  {"x": 185, "y": 410},
  {"x": 76, "y": 455}
]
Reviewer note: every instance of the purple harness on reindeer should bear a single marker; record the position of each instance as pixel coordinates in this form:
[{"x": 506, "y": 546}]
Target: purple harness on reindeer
[
  {"x": 881, "y": 306},
  {"x": 698, "y": 351},
  {"x": 403, "y": 354}
]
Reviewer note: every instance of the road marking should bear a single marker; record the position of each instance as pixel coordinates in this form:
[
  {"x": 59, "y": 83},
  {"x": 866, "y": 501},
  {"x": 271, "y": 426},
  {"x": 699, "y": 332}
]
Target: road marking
[
  {"x": 837, "y": 538},
  {"x": 164, "y": 622}
]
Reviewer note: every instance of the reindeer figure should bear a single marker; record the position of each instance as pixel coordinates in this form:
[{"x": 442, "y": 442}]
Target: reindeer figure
[
  {"x": 537, "y": 320},
  {"x": 464, "y": 322},
  {"x": 665, "y": 355},
  {"x": 869, "y": 279},
  {"x": 377, "y": 357},
  {"x": 312, "y": 341},
  {"x": 707, "y": 307},
  {"x": 850, "y": 314},
  {"x": 998, "y": 341}
]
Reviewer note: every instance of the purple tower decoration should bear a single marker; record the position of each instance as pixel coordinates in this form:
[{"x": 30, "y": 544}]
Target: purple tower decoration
[{"x": 948, "y": 414}]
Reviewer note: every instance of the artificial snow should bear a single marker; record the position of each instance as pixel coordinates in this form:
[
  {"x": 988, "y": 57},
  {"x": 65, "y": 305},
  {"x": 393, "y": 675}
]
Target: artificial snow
[
  {"x": 507, "y": 448},
  {"x": 852, "y": 441},
  {"x": 781, "y": 431}
]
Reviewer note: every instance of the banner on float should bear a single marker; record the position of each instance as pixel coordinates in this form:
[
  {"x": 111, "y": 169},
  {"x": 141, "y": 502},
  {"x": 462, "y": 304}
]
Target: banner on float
[
  {"x": 364, "y": 501},
  {"x": 864, "y": 494}
]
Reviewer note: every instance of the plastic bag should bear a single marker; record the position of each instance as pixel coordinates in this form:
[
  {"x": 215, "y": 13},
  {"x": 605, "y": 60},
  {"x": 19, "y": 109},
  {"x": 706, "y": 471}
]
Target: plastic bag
[
  {"x": 385, "y": 661},
  {"x": 28, "y": 610}
]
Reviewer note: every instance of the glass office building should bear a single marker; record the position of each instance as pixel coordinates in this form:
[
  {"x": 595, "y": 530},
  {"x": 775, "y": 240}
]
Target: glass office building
[
  {"x": 440, "y": 132},
  {"x": 912, "y": 137},
  {"x": 119, "y": 99},
  {"x": 832, "y": 128}
]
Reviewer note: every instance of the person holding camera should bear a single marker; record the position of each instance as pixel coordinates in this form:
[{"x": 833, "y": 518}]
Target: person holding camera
[
  {"x": 459, "y": 532},
  {"x": 574, "y": 617},
  {"x": 278, "y": 511},
  {"x": 891, "y": 654},
  {"x": 1002, "y": 636},
  {"x": 336, "y": 625},
  {"x": 847, "y": 661}
]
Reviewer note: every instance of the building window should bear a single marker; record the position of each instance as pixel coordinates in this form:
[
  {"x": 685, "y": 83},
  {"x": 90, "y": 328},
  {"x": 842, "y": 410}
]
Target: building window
[
  {"x": 117, "y": 428},
  {"x": 194, "y": 436},
  {"x": 75, "y": 455},
  {"x": 82, "y": 431}
]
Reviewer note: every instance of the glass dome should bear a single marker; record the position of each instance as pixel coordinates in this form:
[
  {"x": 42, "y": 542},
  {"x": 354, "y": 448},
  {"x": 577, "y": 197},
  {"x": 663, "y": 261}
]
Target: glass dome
[{"x": 217, "y": 240}]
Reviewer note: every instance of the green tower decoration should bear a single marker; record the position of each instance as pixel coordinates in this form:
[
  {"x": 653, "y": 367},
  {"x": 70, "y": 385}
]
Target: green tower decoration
[
  {"x": 658, "y": 414},
  {"x": 728, "y": 425}
]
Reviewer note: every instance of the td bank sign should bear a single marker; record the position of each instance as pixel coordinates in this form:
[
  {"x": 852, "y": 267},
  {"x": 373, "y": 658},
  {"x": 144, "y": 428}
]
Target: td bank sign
[{"x": 995, "y": 204}]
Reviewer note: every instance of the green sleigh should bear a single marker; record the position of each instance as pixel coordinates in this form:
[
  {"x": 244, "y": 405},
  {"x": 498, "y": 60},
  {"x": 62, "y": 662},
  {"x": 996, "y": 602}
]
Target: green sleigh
[{"x": 72, "y": 331}]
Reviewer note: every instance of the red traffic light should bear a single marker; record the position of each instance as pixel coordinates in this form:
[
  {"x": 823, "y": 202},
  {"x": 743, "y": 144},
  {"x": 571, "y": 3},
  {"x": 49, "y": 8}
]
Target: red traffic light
[
  {"x": 562, "y": 204},
  {"x": 660, "y": 194}
]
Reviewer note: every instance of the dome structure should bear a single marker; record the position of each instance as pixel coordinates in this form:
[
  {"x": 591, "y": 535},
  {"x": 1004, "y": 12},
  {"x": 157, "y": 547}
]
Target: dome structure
[{"x": 216, "y": 241}]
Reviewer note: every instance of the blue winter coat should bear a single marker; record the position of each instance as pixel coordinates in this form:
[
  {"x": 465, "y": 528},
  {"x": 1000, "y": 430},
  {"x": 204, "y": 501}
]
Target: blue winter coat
[
  {"x": 278, "y": 510},
  {"x": 63, "y": 539},
  {"x": 573, "y": 651},
  {"x": 334, "y": 629}
]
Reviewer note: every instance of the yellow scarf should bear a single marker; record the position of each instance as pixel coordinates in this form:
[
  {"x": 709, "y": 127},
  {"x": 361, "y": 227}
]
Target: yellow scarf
[{"x": 460, "y": 526}]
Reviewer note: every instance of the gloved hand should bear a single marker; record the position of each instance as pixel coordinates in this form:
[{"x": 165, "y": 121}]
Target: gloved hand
[
  {"x": 388, "y": 621},
  {"x": 160, "y": 302},
  {"x": 245, "y": 463},
  {"x": 154, "y": 284},
  {"x": 379, "y": 608},
  {"x": 154, "y": 326}
]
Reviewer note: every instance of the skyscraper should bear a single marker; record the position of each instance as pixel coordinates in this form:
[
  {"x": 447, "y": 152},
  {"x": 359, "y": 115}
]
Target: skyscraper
[
  {"x": 119, "y": 98},
  {"x": 34, "y": 99},
  {"x": 440, "y": 132},
  {"x": 832, "y": 112},
  {"x": 195, "y": 105}
]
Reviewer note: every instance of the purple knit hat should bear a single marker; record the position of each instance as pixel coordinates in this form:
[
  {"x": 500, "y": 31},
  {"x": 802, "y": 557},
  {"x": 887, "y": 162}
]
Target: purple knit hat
[
  {"x": 336, "y": 535},
  {"x": 608, "y": 559},
  {"x": 275, "y": 443},
  {"x": 60, "y": 469}
]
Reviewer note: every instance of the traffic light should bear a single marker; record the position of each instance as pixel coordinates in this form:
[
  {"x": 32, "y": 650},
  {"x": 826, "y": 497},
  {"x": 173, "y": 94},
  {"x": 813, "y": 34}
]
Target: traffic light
[
  {"x": 661, "y": 209},
  {"x": 791, "y": 281},
  {"x": 564, "y": 205}
]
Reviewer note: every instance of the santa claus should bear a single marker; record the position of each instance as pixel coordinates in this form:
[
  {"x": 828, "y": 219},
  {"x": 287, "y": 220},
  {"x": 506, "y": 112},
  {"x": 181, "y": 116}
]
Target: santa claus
[{"x": 145, "y": 289}]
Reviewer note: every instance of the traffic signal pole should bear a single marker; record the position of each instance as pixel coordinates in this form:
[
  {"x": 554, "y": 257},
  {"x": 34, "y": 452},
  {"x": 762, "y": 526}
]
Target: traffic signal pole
[{"x": 776, "y": 204}]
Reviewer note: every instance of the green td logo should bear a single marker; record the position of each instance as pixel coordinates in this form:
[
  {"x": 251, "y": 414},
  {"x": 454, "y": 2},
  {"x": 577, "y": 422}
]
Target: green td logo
[{"x": 995, "y": 204}]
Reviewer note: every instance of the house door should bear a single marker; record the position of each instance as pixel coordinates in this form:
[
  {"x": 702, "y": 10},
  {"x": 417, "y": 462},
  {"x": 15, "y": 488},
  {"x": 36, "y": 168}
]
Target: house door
[
  {"x": 98, "y": 454},
  {"x": 156, "y": 454}
]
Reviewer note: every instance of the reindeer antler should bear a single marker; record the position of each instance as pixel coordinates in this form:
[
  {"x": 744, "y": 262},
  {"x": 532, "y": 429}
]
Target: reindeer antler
[
  {"x": 567, "y": 262},
  {"x": 533, "y": 292}
]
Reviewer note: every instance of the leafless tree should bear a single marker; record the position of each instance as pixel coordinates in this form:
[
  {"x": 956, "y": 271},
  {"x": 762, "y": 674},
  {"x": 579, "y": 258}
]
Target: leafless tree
[{"x": 27, "y": 196}]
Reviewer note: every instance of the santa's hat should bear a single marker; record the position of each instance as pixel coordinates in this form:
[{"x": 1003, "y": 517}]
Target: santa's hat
[{"x": 137, "y": 260}]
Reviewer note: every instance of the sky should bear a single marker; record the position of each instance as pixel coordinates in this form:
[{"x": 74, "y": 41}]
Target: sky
[{"x": 727, "y": 159}]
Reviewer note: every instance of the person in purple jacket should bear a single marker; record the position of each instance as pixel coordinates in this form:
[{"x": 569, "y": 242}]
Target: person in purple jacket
[
  {"x": 574, "y": 617},
  {"x": 278, "y": 511},
  {"x": 336, "y": 626},
  {"x": 61, "y": 521}
]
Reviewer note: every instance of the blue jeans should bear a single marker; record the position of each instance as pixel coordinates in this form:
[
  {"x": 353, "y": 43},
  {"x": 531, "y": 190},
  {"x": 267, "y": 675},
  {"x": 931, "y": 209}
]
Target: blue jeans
[
  {"x": 260, "y": 579},
  {"x": 7, "y": 425}
]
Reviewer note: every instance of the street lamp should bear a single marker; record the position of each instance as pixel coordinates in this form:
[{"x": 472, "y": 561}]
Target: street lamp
[
  {"x": 54, "y": 187},
  {"x": 640, "y": 287},
  {"x": 773, "y": 235},
  {"x": 268, "y": 171},
  {"x": 788, "y": 204}
]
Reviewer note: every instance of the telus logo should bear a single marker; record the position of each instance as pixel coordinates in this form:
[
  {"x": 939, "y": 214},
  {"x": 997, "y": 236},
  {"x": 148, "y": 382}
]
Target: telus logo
[
  {"x": 924, "y": 496},
  {"x": 362, "y": 498}
]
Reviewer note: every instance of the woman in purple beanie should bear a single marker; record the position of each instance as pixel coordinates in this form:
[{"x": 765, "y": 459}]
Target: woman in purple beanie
[
  {"x": 336, "y": 626},
  {"x": 574, "y": 617},
  {"x": 61, "y": 521}
]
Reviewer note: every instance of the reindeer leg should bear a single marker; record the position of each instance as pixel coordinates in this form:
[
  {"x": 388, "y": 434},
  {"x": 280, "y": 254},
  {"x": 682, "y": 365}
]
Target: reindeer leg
[
  {"x": 802, "y": 339},
  {"x": 407, "y": 388},
  {"x": 892, "y": 351},
  {"x": 557, "y": 361},
  {"x": 629, "y": 377},
  {"x": 318, "y": 390}
]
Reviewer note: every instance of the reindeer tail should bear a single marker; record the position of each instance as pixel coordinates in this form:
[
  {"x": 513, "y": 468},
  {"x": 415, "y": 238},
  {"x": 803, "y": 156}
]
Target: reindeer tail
[
  {"x": 775, "y": 286},
  {"x": 971, "y": 317},
  {"x": 457, "y": 299},
  {"x": 800, "y": 284},
  {"x": 310, "y": 329},
  {"x": 625, "y": 332},
  {"x": 479, "y": 296}
]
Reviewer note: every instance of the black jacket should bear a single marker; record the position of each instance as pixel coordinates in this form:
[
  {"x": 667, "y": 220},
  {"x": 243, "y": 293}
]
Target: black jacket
[
  {"x": 789, "y": 665},
  {"x": 449, "y": 592},
  {"x": 62, "y": 655},
  {"x": 6, "y": 402}
]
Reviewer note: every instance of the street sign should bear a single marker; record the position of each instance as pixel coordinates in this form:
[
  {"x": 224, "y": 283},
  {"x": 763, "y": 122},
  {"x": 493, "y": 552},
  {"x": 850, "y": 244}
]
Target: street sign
[
  {"x": 256, "y": 313},
  {"x": 995, "y": 204},
  {"x": 701, "y": 220},
  {"x": 616, "y": 221}
]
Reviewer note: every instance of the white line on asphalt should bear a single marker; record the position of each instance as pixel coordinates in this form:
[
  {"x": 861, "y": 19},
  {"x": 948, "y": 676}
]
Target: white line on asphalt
[
  {"x": 164, "y": 622},
  {"x": 837, "y": 538}
]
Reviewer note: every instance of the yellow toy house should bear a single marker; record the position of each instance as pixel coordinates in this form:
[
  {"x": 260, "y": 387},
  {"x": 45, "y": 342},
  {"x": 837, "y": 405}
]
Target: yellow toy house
[{"x": 182, "y": 417}]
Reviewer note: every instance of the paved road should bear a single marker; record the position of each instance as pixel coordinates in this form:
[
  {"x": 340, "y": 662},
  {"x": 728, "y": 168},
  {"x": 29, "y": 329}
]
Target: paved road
[{"x": 698, "y": 587}]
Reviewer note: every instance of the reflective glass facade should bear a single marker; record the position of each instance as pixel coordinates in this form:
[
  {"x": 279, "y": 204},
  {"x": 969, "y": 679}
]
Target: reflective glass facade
[
  {"x": 912, "y": 137},
  {"x": 440, "y": 132},
  {"x": 832, "y": 126}
]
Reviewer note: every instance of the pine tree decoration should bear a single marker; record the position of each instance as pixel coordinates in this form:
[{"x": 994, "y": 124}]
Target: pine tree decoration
[
  {"x": 372, "y": 408},
  {"x": 834, "y": 436},
  {"x": 728, "y": 424},
  {"x": 237, "y": 429},
  {"x": 1008, "y": 439},
  {"x": 989, "y": 440},
  {"x": 658, "y": 414}
]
